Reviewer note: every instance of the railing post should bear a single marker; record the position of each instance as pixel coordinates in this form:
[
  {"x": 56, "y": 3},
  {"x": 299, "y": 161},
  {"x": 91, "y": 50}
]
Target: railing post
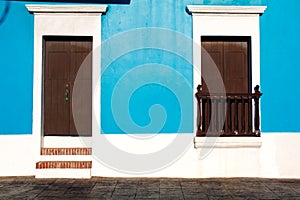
[
  {"x": 257, "y": 95},
  {"x": 199, "y": 117}
]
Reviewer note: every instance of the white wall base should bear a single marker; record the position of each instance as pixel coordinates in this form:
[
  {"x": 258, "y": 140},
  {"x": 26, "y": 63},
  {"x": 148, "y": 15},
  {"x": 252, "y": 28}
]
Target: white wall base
[
  {"x": 227, "y": 157},
  {"x": 17, "y": 155},
  {"x": 274, "y": 155},
  {"x": 278, "y": 157},
  {"x": 186, "y": 167}
]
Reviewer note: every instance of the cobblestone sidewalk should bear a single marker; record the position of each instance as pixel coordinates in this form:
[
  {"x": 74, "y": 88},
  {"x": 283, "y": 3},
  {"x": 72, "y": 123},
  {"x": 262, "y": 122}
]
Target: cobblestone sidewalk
[{"x": 149, "y": 188}]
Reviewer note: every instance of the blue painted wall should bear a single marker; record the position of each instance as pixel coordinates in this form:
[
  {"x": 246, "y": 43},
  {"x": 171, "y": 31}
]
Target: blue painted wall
[
  {"x": 279, "y": 67},
  {"x": 16, "y": 68},
  {"x": 167, "y": 14}
]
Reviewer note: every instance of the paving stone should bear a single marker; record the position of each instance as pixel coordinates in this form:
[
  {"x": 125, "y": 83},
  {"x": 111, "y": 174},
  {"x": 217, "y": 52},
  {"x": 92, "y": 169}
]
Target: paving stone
[
  {"x": 217, "y": 192},
  {"x": 195, "y": 196},
  {"x": 147, "y": 195},
  {"x": 83, "y": 184},
  {"x": 146, "y": 198},
  {"x": 268, "y": 196},
  {"x": 169, "y": 184},
  {"x": 190, "y": 184},
  {"x": 106, "y": 183},
  {"x": 171, "y": 197},
  {"x": 220, "y": 197},
  {"x": 120, "y": 198},
  {"x": 170, "y": 191},
  {"x": 124, "y": 192},
  {"x": 147, "y": 189},
  {"x": 126, "y": 186},
  {"x": 244, "y": 197},
  {"x": 52, "y": 193},
  {"x": 149, "y": 184},
  {"x": 291, "y": 198},
  {"x": 99, "y": 195}
]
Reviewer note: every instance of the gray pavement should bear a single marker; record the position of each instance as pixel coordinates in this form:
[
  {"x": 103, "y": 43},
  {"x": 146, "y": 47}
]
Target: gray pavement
[{"x": 148, "y": 188}]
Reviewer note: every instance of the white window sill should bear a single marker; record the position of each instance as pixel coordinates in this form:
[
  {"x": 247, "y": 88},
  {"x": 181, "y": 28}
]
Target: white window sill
[{"x": 227, "y": 142}]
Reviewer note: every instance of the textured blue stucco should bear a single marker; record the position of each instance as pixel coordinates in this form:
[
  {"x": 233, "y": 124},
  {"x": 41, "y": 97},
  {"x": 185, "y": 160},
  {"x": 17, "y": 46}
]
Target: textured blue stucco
[
  {"x": 167, "y": 14},
  {"x": 16, "y": 68},
  {"x": 279, "y": 64}
]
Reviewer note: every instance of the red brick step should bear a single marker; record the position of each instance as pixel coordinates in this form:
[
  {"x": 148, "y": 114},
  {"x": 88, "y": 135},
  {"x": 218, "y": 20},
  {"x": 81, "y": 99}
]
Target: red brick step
[
  {"x": 64, "y": 165},
  {"x": 66, "y": 151}
]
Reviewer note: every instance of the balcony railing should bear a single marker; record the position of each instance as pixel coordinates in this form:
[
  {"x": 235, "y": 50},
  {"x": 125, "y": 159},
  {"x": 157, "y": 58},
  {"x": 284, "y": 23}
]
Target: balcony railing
[{"x": 229, "y": 114}]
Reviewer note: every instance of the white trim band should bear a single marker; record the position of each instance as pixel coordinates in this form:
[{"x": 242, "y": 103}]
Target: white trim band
[
  {"x": 197, "y": 9},
  {"x": 66, "y": 9}
]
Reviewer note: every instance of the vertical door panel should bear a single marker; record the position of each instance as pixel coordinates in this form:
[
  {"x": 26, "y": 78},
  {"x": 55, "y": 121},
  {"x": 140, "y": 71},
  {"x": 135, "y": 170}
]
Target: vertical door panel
[
  {"x": 236, "y": 67},
  {"x": 56, "y": 110},
  {"x": 81, "y": 65},
  {"x": 215, "y": 50}
]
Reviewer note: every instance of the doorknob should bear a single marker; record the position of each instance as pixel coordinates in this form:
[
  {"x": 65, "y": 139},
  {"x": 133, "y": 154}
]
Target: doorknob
[{"x": 67, "y": 93}]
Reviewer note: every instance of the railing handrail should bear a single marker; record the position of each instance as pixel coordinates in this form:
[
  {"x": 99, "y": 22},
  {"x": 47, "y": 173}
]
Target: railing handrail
[
  {"x": 256, "y": 93},
  {"x": 230, "y": 95}
]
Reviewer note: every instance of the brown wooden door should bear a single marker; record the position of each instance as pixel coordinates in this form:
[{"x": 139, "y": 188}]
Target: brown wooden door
[
  {"x": 63, "y": 57},
  {"x": 231, "y": 55}
]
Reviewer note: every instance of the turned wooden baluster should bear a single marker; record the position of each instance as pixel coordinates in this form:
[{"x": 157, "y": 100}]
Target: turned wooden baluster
[
  {"x": 256, "y": 110},
  {"x": 250, "y": 114},
  {"x": 199, "y": 99}
]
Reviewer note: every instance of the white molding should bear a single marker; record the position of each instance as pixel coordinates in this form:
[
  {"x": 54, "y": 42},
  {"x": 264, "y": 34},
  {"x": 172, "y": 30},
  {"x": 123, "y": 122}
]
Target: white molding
[
  {"x": 199, "y": 9},
  {"x": 227, "y": 142},
  {"x": 225, "y": 21},
  {"x": 66, "y": 8},
  {"x": 62, "y": 20}
]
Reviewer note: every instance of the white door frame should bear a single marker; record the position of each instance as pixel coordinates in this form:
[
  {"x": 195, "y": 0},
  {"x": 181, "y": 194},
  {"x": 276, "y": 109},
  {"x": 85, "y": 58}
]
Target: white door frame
[{"x": 65, "y": 20}]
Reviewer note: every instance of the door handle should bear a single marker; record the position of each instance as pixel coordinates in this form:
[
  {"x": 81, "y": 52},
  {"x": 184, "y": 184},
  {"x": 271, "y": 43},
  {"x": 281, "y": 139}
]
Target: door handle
[{"x": 67, "y": 92}]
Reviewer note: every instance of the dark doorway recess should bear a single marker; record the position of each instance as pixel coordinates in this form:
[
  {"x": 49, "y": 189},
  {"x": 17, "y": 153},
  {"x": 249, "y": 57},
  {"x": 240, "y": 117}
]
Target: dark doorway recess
[{"x": 62, "y": 59}]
